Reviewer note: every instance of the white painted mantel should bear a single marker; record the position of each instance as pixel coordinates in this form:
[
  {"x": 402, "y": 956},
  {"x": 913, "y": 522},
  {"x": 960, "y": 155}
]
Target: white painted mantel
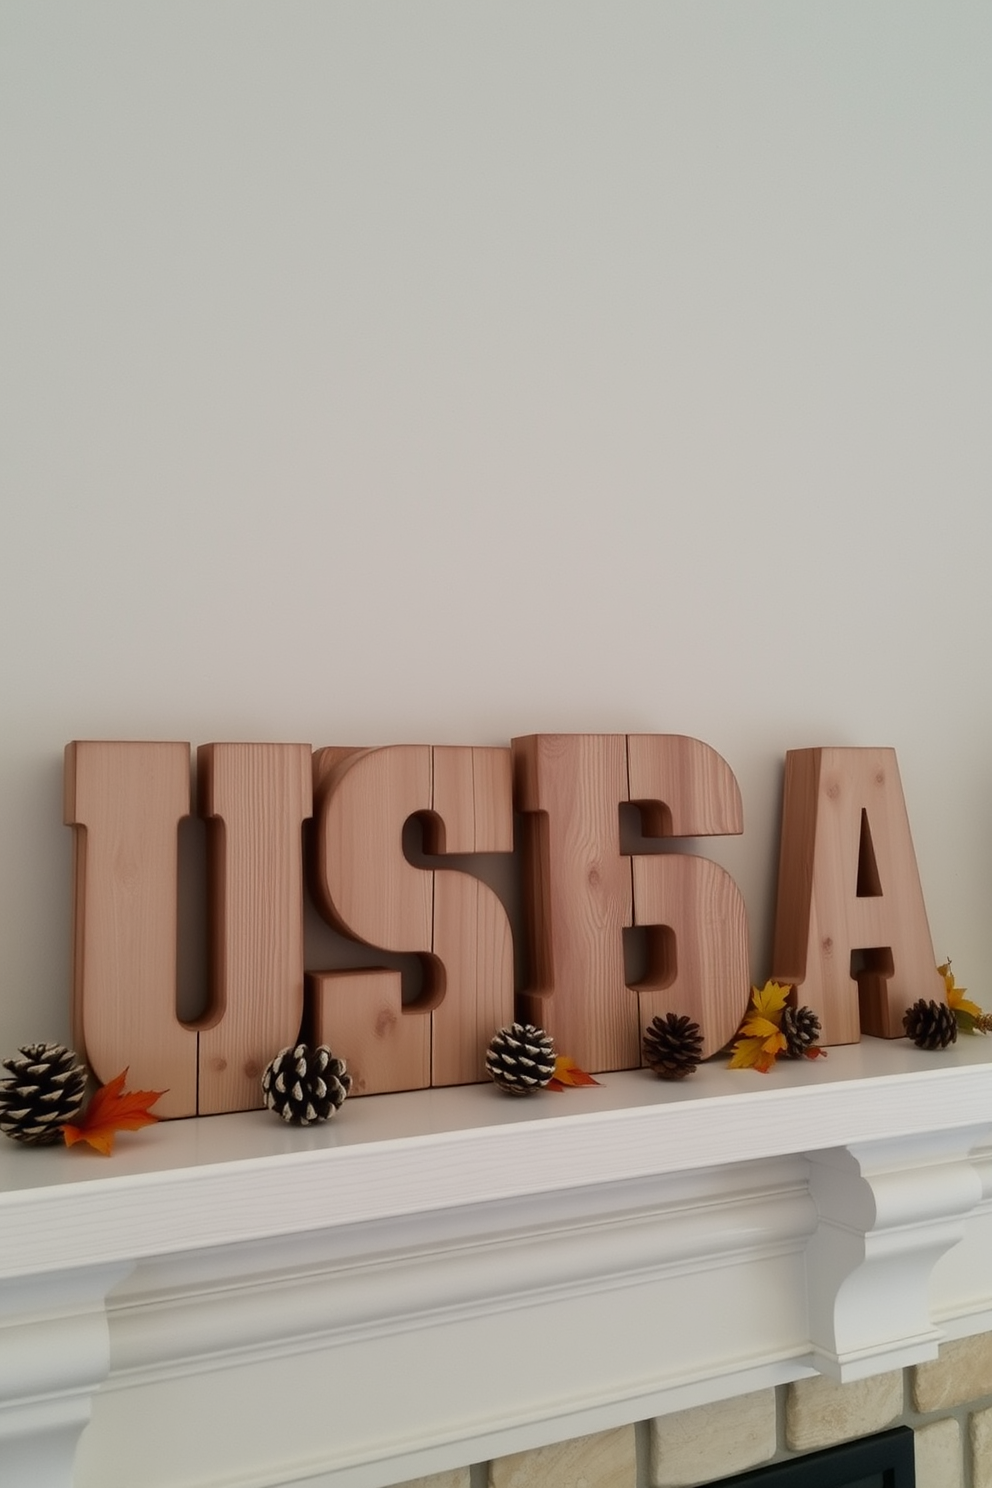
[{"x": 442, "y": 1277}]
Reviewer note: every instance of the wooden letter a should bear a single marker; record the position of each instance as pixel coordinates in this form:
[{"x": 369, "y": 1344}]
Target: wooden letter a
[{"x": 850, "y": 926}]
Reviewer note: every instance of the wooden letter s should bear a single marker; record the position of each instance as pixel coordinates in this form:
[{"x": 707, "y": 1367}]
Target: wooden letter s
[{"x": 365, "y": 886}]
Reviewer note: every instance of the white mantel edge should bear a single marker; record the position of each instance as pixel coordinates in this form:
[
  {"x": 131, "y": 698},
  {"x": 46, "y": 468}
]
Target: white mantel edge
[{"x": 229, "y": 1179}]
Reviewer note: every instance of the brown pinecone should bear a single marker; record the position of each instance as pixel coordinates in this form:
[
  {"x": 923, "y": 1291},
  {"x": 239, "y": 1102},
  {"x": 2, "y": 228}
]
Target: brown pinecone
[
  {"x": 931, "y": 1025},
  {"x": 520, "y": 1058},
  {"x": 45, "y": 1090},
  {"x": 304, "y": 1085},
  {"x": 673, "y": 1046},
  {"x": 801, "y": 1028}
]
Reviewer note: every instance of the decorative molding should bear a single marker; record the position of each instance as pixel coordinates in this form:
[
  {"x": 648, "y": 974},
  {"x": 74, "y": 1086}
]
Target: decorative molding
[
  {"x": 54, "y": 1353},
  {"x": 466, "y": 1266}
]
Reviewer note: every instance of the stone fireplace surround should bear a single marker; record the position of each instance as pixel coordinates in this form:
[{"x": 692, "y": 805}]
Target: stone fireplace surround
[{"x": 452, "y": 1276}]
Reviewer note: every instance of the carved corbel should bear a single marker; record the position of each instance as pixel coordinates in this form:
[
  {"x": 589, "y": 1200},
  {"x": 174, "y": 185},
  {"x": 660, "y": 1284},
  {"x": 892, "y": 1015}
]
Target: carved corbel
[
  {"x": 888, "y": 1211},
  {"x": 54, "y": 1355}
]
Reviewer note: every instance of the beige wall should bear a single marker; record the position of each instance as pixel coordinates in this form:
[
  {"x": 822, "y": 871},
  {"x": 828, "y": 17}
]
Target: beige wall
[{"x": 429, "y": 372}]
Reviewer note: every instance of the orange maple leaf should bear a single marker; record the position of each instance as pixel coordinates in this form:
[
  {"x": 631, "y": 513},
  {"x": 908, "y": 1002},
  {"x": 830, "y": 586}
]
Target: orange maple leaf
[
  {"x": 111, "y": 1110},
  {"x": 567, "y": 1072}
]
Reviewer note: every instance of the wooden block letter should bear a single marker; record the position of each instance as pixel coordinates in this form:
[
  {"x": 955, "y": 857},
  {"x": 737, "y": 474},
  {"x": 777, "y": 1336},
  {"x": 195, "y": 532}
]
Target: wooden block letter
[
  {"x": 582, "y": 893},
  {"x": 255, "y": 798},
  {"x": 472, "y": 807},
  {"x": 849, "y": 887},
  {"x": 363, "y": 884},
  {"x": 124, "y": 802},
  {"x": 361, "y": 880},
  {"x": 367, "y": 888},
  {"x": 359, "y": 1015},
  {"x": 685, "y": 789},
  {"x": 579, "y": 895}
]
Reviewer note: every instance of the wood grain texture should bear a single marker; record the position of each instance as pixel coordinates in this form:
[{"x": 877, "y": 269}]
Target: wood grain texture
[
  {"x": 842, "y": 808},
  {"x": 473, "y": 805},
  {"x": 360, "y": 1016},
  {"x": 125, "y": 801},
  {"x": 579, "y": 895},
  {"x": 683, "y": 787},
  {"x": 700, "y": 968},
  {"x": 255, "y": 798},
  {"x": 360, "y": 876},
  {"x": 707, "y": 975},
  {"x": 364, "y": 883},
  {"x": 473, "y": 799}
]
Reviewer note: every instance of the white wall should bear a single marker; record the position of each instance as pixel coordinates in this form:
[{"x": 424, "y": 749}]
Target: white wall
[{"x": 431, "y": 371}]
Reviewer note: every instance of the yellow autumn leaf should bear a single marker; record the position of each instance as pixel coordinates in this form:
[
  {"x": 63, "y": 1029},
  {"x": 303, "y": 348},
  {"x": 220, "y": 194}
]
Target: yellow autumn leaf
[
  {"x": 760, "y": 1039},
  {"x": 955, "y": 995},
  {"x": 757, "y": 1053},
  {"x": 769, "y": 1000},
  {"x": 746, "y": 1053},
  {"x": 761, "y": 1028}
]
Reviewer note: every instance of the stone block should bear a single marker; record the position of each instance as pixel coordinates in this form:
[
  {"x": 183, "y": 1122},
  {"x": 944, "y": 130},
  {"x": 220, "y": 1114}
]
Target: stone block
[
  {"x": 457, "y": 1477},
  {"x": 961, "y": 1372},
  {"x": 819, "y": 1412},
  {"x": 711, "y": 1441},
  {"x": 980, "y": 1431},
  {"x": 607, "y": 1459},
  {"x": 938, "y": 1455}
]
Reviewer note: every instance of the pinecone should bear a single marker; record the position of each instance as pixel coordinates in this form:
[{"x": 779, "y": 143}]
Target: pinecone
[
  {"x": 931, "y": 1025},
  {"x": 304, "y": 1085},
  {"x": 673, "y": 1046},
  {"x": 801, "y": 1028},
  {"x": 45, "y": 1091},
  {"x": 521, "y": 1058}
]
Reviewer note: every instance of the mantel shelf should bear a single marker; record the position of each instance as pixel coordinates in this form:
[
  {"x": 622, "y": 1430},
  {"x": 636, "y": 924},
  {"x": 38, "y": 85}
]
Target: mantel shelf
[{"x": 227, "y": 1179}]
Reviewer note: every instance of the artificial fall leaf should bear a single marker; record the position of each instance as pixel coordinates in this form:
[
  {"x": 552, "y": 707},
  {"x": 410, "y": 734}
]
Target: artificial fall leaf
[
  {"x": 967, "y": 1013},
  {"x": 757, "y": 1053},
  {"x": 111, "y": 1110},
  {"x": 746, "y": 1053},
  {"x": 759, "y": 1028},
  {"x": 769, "y": 1000},
  {"x": 761, "y": 1039},
  {"x": 567, "y": 1072}
]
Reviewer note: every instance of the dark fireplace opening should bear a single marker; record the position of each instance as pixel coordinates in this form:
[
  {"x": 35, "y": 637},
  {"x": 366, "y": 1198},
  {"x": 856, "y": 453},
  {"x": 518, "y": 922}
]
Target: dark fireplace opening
[{"x": 882, "y": 1461}]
